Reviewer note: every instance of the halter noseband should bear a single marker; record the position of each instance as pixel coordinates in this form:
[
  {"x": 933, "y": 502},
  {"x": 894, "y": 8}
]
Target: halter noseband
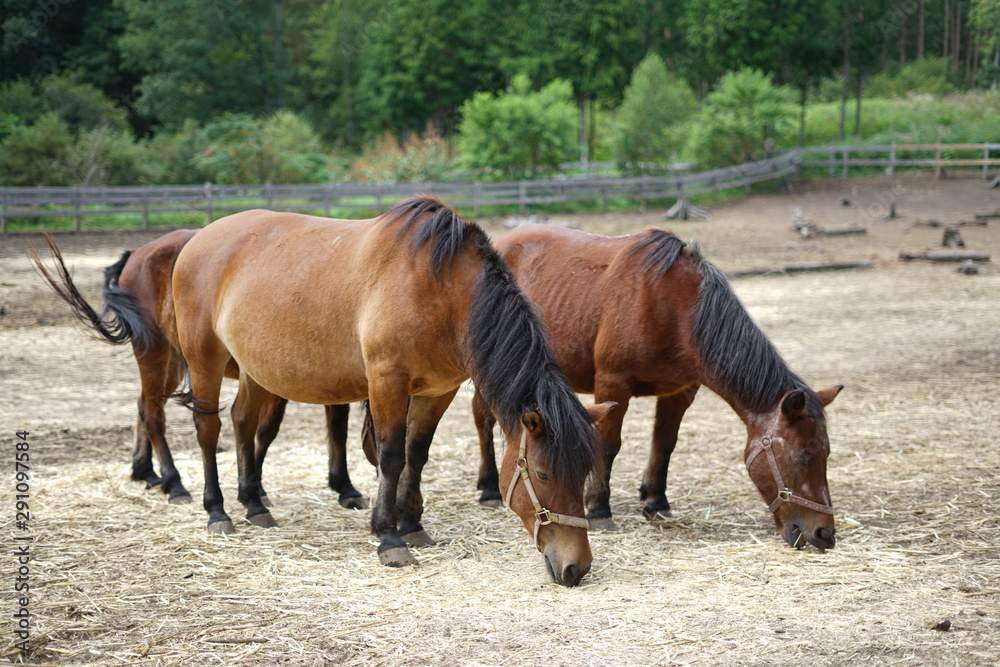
[
  {"x": 785, "y": 494},
  {"x": 543, "y": 517}
]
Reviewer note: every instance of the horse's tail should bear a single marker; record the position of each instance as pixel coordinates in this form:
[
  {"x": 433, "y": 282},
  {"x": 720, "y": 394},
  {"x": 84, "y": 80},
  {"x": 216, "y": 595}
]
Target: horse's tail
[{"x": 122, "y": 318}]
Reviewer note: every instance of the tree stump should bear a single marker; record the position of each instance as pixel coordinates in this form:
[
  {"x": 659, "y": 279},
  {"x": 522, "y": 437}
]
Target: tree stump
[
  {"x": 952, "y": 238},
  {"x": 684, "y": 210}
]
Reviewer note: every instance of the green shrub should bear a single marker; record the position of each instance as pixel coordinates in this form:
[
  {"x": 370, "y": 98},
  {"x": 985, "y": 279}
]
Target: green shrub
[
  {"x": 36, "y": 154},
  {"x": 648, "y": 127},
  {"x": 927, "y": 76},
  {"x": 519, "y": 133}
]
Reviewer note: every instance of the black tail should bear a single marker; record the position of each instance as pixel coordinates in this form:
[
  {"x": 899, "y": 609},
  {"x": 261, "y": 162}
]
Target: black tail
[{"x": 122, "y": 319}]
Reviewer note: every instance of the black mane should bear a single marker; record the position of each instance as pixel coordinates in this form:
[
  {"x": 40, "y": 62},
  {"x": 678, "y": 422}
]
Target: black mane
[
  {"x": 735, "y": 355},
  {"x": 507, "y": 351}
]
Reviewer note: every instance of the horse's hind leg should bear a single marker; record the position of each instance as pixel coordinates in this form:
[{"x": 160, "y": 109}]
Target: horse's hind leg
[
  {"x": 336, "y": 446},
  {"x": 669, "y": 412},
  {"x": 142, "y": 452},
  {"x": 272, "y": 412},
  {"x": 423, "y": 417},
  {"x": 489, "y": 479},
  {"x": 159, "y": 370},
  {"x": 246, "y": 415}
]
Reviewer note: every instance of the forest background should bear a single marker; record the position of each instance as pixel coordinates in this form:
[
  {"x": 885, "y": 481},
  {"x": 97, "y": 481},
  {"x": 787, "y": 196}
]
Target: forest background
[{"x": 96, "y": 92}]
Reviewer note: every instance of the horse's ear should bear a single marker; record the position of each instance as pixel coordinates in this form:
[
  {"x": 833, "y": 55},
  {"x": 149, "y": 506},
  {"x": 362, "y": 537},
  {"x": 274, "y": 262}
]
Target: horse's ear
[
  {"x": 532, "y": 421},
  {"x": 600, "y": 411},
  {"x": 793, "y": 405},
  {"x": 826, "y": 396}
]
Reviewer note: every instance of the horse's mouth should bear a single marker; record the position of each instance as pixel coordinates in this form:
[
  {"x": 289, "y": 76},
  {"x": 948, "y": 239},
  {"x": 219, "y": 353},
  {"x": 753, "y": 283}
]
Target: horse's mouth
[{"x": 822, "y": 538}]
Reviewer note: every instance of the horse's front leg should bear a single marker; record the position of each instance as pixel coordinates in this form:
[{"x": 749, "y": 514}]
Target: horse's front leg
[
  {"x": 336, "y": 446},
  {"x": 598, "y": 496},
  {"x": 422, "y": 417},
  {"x": 246, "y": 416},
  {"x": 388, "y": 401},
  {"x": 489, "y": 478},
  {"x": 669, "y": 412}
]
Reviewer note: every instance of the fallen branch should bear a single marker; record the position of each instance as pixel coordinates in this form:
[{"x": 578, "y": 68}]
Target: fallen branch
[
  {"x": 802, "y": 268},
  {"x": 947, "y": 256}
]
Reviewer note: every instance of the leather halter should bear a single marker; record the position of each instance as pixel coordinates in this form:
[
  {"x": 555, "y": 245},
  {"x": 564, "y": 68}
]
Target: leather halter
[
  {"x": 543, "y": 517},
  {"x": 785, "y": 494}
]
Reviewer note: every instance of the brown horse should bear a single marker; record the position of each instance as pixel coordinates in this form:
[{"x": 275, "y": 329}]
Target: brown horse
[
  {"x": 138, "y": 308},
  {"x": 400, "y": 309},
  {"x": 646, "y": 315}
]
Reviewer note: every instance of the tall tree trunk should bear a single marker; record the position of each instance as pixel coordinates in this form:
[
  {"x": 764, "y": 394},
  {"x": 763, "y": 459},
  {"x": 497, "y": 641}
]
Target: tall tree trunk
[
  {"x": 920, "y": 29},
  {"x": 581, "y": 100},
  {"x": 279, "y": 49},
  {"x": 902, "y": 40},
  {"x": 804, "y": 92},
  {"x": 348, "y": 94},
  {"x": 956, "y": 39},
  {"x": 947, "y": 29},
  {"x": 845, "y": 88},
  {"x": 857, "y": 103}
]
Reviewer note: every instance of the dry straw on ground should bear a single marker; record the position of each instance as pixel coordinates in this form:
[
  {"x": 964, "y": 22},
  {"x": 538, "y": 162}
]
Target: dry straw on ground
[{"x": 122, "y": 578}]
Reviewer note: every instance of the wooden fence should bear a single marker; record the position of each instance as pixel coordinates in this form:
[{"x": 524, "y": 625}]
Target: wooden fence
[{"x": 213, "y": 201}]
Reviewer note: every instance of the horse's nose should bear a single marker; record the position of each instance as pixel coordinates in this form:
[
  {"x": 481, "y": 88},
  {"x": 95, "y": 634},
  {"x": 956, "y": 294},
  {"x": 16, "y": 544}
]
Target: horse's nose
[
  {"x": 572, "y": 574},
  {"x": 825, "y": 535}
]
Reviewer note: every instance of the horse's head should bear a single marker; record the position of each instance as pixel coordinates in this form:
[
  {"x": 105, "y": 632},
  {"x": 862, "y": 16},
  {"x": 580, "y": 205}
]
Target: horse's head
[
  {"x": 550, "y": 506},
  {"x": 786, "y": 458}
]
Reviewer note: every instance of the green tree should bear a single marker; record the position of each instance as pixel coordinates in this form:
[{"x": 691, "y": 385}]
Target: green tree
[
  {"x": 205, "y": 58},
  {"x": 648, "y": 125},
  {"x": 743, "y": 119},
  {"x": 519, "y": 133}
]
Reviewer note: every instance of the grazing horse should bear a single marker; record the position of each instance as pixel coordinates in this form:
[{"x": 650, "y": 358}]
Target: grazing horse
[
  {"x": 138, "y": 308},
  {"x": 646, "y": 315},
  {"x": 400, "y": 310}
]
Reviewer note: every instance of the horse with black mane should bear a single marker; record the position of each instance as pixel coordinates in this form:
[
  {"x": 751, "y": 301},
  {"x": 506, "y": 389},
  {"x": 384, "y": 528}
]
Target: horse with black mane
[
  {"x": 400, "y": 310},
  {"x": 138, "y": 309},
  {"x": 646, "y": 315}
]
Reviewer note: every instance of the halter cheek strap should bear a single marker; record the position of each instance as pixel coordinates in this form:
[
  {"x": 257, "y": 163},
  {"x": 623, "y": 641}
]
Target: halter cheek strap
[
  {"x": 785, "y": 494},
  {"x": 543, "y": 517}
]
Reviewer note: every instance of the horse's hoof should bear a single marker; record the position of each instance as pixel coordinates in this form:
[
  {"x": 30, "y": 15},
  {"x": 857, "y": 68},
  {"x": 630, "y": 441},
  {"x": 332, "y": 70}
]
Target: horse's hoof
[
  {"x": 265, "y": 501},
  {"x": 263, "y": 520},
  {"x": 657, "y": 515},
  {"x": 604, "y": 523},
  {"x": 222, "y": 528},
  {"x": 418, "y": 538},
  {"x": 354, "y": 503},
  {"x": 183, "y": 499},
  {"x": 492, "y": 503},
  {"x": 397, "y": 557}
]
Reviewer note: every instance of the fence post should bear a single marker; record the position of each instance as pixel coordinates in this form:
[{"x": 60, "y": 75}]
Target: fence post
[
  {"x": 327, "y": 196},
  {"x": 145, "y": 210},
  {"x": 269, "y": 195},
  {"x": 3, "y": 212},
  {"x": 522, "y": 197},
  {"x": 892, "y": 160},
  {"x": 77, "y": 220},
  {"x": 846, "y": 155},
  {"x": 830, "y": 169},
  {"x": 986, "y": 161},
  {"x": 643, "y": 199},
  {"x": 208, "y": 203},
  {"x": 937, "y": 160},
  {"x": 477, "y": 189}
]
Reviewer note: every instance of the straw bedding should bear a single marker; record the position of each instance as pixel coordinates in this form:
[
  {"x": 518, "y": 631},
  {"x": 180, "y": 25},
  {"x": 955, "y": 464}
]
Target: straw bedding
[{"x": 120, "y": 577}]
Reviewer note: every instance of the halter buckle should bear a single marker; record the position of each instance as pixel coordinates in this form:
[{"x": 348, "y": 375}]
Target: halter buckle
[
  {"x": 785, "y": 494},
  {"x": 766, "y": 442},
  {"x": 543, "y": 517}
]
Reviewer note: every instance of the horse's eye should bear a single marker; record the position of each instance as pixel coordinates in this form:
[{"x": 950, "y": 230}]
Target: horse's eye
[
  {"x": 542, "y": 476},
  {"x": 801, "y": 459}
]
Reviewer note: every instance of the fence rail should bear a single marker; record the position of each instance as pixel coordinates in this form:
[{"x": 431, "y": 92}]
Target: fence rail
[{"x": 213, "y": 201}]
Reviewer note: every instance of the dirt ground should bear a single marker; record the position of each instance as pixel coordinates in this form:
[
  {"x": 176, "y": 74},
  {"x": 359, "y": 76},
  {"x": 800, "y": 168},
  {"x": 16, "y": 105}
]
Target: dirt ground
[{"x": 119, "y": 577}]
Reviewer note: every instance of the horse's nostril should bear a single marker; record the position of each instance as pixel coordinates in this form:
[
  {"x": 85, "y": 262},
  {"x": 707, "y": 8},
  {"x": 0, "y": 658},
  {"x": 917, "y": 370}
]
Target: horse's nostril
[
  {"x": 571, "y": 575},
  {"x": 825, "y": 534}
]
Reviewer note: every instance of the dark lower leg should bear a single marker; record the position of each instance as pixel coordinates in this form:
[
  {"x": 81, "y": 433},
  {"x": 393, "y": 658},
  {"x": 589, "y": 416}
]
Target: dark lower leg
[
  {"x": 489, "y": 479},
  {"x": 423, "y": 417},
  {"x": 669, "y": 411},
  {"x": 246, "y": 414},
  {"x": 336, "y": 446},
  {"x": 271, "y": 413}
]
